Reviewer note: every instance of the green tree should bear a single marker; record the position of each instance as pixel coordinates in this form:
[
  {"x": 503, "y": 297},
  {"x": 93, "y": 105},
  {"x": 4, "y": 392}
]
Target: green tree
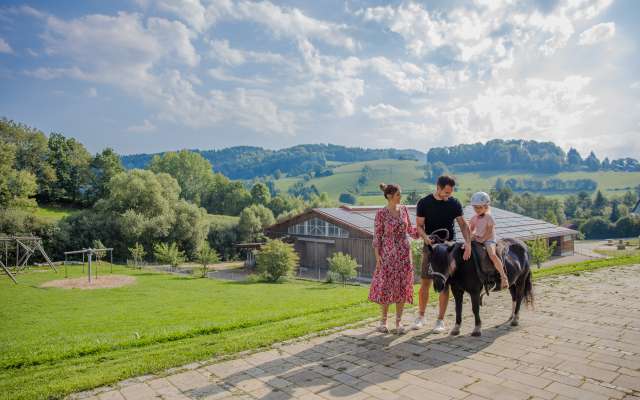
[
  {"x": 276, "y": 259},
  {"x": 615, "y": 211},
  {"x": 347, "y": 198},
  {"x": 70, "y": 161},
  {"x": 540, "y": 250},
  {"x": 550, "y": 217},
  {"x": 599, "y": 203},
  {"x": 629, "y": 199},
  {"x": 260, "y": 194},
  {"x": 343, "y": 265},
  {"x": 97, "y": 244},
  {"x": 596, "y": 228},
  {"x": 138, "y": 253},
  {"x": 207, "y": 256},
  {"x": 592, "y": 162},
  {"x": 103, "y": 167},
  {"x": 412, "y": 198},
  {"x": 253, "y": 220},
  {"x": 168, "y": 254},
  {"x": 192, "y": 171}
]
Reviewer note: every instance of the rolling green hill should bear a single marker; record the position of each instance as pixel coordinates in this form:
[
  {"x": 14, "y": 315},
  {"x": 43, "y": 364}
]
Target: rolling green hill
[{"x": 409, "y": 175}]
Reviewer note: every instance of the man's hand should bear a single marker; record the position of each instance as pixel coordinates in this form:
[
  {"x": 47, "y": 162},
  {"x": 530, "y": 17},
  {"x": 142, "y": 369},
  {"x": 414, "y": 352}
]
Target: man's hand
[
  {"x": 427, "y": 241},
  {"x": 467, "y": 251}
]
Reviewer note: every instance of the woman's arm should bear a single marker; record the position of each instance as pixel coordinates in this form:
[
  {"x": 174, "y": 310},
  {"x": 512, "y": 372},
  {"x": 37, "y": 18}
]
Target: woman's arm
[
  {"x": 411, "y": 230},
  {"x": 378, "y": 232}
]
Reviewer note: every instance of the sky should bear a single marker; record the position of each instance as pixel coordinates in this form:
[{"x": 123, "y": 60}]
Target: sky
[{"x": 145, "y": 76}]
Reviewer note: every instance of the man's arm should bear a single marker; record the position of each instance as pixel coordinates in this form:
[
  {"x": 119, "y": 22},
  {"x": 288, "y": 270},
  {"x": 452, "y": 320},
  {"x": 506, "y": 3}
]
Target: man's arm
[
  {"x": 421, "y": 232},
  {"x": 466, "y": 233}
]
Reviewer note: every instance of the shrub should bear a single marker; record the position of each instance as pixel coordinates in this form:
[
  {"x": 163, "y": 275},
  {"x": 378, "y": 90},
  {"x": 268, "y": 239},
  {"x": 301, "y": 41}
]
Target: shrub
[
  {"x": 540, "y": 250},
  {"x": 206, "y": 256},
  {"x": 343, "y": 265},
  {"x": 276, "y": 259},
  {"x": 168, "y": 254},
  {"x": 138, "y": 253},
  {"x": 347, "y": 198}
]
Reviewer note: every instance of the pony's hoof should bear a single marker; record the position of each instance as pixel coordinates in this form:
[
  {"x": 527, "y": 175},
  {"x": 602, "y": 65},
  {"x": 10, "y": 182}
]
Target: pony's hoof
[
  {"x": 476, "y": 333},
  {"x": 515, "y": 322},
  {"x": 455, "y": 331}
]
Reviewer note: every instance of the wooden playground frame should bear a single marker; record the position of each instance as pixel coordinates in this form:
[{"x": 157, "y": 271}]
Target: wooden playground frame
[{"x": 29, "y": 244}]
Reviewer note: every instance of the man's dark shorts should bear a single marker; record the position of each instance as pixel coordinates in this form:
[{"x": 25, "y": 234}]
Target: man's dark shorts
[{"x": 426, "y": 259}]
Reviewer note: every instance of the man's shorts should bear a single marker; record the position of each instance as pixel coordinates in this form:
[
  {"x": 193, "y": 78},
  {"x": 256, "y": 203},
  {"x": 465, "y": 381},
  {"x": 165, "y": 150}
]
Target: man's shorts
[{"x": 426, "y": 259}]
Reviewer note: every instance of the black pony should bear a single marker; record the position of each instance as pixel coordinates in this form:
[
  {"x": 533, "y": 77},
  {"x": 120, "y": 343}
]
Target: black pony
[{"x": 449, "y": 268}]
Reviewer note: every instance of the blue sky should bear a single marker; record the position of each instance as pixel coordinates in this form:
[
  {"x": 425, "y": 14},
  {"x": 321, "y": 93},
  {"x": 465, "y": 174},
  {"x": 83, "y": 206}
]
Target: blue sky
[{"x": 155, "y": 75}]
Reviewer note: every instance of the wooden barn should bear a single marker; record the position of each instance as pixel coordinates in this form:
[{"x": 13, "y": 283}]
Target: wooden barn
[{"x": 320, "y": 232}]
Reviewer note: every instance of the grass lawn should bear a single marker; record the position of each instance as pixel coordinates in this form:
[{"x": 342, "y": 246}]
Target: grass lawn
[
  {"x": 54, "y": 342},
  {"x": 54, "y": 213}
]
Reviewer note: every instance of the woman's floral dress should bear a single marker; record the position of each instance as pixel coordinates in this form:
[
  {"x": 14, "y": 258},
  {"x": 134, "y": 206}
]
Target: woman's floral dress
[{"x": 393, "y": 280}]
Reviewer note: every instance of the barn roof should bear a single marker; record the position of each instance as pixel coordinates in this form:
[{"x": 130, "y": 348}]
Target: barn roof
[{"x": 508, "y": 224}]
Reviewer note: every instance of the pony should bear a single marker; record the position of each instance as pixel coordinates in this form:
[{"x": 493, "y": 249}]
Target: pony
[{"x": 448, "y": 268}]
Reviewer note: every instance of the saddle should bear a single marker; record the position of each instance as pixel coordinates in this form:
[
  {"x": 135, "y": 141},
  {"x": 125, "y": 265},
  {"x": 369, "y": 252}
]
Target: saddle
[{"x": 487, "y": 273}]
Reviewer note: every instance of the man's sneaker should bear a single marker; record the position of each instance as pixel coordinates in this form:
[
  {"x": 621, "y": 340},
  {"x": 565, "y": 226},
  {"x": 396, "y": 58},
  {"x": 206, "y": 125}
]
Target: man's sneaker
[
  {"x": 439, "y": 328},
  {"x": 418, "y": 324}
]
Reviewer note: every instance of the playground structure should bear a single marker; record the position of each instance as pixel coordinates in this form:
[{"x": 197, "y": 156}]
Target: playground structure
[
  {"x": 89, "y": 254},
  {"x": 25, "y": 246}
]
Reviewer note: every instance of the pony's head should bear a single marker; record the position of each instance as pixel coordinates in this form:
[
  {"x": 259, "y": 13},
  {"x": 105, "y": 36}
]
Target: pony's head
[{"x": 441, "y": 264}]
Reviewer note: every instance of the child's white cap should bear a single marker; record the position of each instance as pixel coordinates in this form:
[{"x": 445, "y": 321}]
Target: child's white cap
[{"x": 480, "y": 199}]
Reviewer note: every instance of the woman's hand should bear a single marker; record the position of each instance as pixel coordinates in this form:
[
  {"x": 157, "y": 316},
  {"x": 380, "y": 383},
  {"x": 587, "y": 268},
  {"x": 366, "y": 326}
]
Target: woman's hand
[{"x": 377, "y": 264}]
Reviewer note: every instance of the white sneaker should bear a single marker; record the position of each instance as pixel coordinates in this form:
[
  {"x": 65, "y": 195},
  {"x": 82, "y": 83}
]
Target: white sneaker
[
  {"x": 439, "y": 327},
  {"x": 418, "y": 323}
]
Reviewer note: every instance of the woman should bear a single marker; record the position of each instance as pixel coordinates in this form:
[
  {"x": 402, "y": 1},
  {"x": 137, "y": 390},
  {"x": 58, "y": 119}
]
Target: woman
[{"x": 393, "y": 278}]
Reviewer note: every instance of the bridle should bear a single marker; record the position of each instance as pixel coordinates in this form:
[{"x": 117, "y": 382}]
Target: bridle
[{"x": 436, "y": 238}]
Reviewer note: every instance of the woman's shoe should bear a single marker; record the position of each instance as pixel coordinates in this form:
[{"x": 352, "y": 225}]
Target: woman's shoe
[
  {"x": 382, "y": 328},
  {"x": 400, "y": 329}
]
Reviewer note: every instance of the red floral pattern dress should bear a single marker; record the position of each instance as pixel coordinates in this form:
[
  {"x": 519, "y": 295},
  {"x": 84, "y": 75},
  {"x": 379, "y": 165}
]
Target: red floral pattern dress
[{"x": 393, "y": 280}]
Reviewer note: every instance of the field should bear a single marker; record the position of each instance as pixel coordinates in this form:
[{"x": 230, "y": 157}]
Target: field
[
  {"x": 54, "y": 213},
  {"x": 55, "y": 341},
  {"x": 409, "y": 175}
]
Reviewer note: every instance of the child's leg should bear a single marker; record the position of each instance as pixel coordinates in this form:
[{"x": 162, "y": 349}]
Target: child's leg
[{"x": 491, "y": 250}]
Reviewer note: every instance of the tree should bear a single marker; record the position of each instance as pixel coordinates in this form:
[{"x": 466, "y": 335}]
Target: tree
[
  {"x": 138, "y": 253},
  {"x": 342, "y": 265},
  {"x": 260, "y": 194},
  {"x": 599, "y": 203},
  {"x": 550, "y": 217},
  {"x": 97, "y": 245},
  {"x": 596, "y": 228},
  {"x": 168, "y": 254},
  {"x": 499, "y": 184},
  {"x": 206, "y": 256},
  {"x": 103, "y": 167},
  {"x": 70, "y": 161},
  {"x": 571, "y": 206},
  {"x": 412, "y": 198},
  {"x": 192, "y": 171},
  {"x": 615, "y": 212},
  {"x": 347, "y": 198},
  {"x": 276, "y": 259},
  {"x": 540, "y": 250},
  {"x": 629, "y": 199},
  {"x": 574, "y": 159},
  {"x": 592, "y": 162},
  {"x": 253, "y": 220}
]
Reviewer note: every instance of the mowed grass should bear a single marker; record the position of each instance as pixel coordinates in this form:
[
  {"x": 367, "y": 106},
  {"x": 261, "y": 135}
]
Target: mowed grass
[
  {"x": 55, "y": 341},
  {"x": 54, "y": 213}
]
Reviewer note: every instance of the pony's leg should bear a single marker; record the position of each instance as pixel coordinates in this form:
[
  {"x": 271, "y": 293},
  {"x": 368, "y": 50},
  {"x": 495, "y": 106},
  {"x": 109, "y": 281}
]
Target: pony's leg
[
  {"x": 512, "y": 290},
  {"x": 475, "y": 306},
  {"x": 518, "y": 301},
  {"x": 458, "y": 295}
]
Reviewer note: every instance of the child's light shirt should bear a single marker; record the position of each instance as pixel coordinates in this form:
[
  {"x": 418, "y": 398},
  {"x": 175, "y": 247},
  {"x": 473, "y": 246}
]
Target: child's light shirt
[{"x": 480, "y": 225}]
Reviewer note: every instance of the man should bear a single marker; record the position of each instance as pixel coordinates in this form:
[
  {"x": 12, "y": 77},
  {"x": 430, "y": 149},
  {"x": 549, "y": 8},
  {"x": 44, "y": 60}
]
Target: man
[{"x": 438, "y": 211}]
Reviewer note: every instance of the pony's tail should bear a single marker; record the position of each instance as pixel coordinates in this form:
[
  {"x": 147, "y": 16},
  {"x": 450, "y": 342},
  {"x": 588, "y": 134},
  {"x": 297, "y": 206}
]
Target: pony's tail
[{"x": 528, "y": 291}]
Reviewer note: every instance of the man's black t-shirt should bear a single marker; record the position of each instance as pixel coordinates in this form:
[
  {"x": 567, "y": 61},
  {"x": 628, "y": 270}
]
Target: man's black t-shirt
[{"x": 439, "y": 214}]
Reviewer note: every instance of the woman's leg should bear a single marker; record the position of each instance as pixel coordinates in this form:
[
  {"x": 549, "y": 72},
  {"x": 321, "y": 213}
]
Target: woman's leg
[
  {"x": 399, "y": 310},
  {"x": 384, "y": 309}
]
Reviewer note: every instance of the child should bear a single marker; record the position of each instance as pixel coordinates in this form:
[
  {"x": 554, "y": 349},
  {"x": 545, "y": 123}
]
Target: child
[{"x": 482, "y": 227}]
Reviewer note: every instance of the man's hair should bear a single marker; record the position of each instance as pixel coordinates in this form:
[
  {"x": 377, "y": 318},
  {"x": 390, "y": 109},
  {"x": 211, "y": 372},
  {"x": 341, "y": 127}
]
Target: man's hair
[{"x": 446, "y": 180}]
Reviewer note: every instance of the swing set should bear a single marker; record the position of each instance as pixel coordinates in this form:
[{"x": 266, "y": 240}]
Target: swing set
[
  {"x": 24, "y": 247},
  {"x": 89, "y": 254}
]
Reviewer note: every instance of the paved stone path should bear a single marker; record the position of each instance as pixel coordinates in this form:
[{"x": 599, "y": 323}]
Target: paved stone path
[{"x": 581, "y": 342}]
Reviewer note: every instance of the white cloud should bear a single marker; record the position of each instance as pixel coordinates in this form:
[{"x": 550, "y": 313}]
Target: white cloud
[
  {"x": 4, "y": 47},
  {"x": 147, "y": 126},
  {"x": 92, "y": 92},
  {"x": 222, "y": 51},
  {"x": 597, "y": 34},
  {"x": 384, "y": 111},
  {"x": 222, "y": 75},
  {"x": 635, "y": 85}
]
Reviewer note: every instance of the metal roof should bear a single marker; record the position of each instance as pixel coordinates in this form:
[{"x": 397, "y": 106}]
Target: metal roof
[{"x": 508, "y": 224}]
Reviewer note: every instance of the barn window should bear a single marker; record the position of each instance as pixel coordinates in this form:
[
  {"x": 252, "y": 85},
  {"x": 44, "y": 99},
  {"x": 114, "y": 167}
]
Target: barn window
[{"x": 317, "y": 227}]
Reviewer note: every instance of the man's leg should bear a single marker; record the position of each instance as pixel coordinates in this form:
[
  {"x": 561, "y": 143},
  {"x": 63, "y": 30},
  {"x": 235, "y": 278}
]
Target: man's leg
[
  {"x": 423, "y": 300},
  {"x": 443, "y": 301}
]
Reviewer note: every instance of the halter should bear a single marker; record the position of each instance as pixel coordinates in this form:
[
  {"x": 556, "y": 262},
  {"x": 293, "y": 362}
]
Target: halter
[{"x": 435, "y": 238}]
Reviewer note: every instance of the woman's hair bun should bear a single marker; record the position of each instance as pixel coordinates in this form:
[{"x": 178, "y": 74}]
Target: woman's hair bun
[{"x": 383, "y": 186}]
